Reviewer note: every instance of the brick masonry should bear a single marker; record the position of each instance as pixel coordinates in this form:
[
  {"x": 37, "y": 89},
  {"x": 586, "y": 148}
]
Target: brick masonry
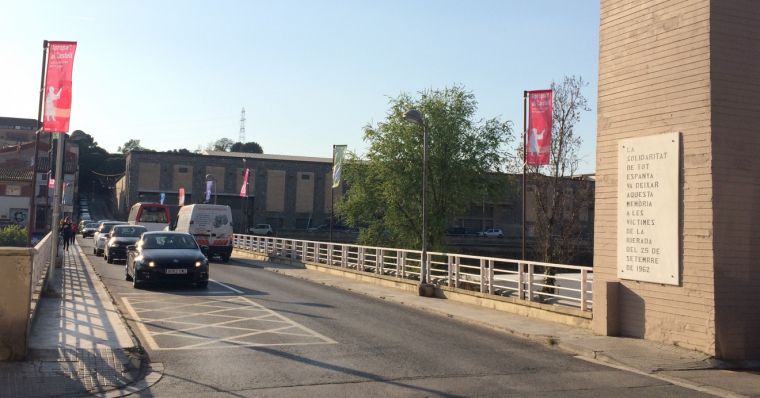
[{"x": 686, "y": 66}]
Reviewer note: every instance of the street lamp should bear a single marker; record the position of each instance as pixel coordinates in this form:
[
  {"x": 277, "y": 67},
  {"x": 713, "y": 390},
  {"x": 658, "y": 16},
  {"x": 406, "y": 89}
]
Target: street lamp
[
  {"x": 244, "y": 205},
  {"x": 414, "y": 116}
]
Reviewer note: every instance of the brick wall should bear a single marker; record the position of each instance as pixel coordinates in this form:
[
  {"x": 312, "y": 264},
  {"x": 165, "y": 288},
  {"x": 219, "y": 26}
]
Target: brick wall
[
  {"x": 654, "y": 77},
  {"x": 734, "y": 33}
]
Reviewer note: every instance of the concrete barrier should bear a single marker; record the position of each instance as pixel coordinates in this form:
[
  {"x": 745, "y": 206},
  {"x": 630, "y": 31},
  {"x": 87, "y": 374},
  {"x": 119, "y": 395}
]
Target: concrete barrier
[{"x": 15, "y": 301}]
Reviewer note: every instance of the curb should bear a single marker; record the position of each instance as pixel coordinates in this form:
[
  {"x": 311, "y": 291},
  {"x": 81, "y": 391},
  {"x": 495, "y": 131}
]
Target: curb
[{"x": 145, "y": 369}]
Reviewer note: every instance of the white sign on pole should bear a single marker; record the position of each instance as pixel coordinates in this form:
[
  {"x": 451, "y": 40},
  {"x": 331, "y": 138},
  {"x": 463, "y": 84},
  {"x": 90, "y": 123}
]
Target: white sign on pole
[{"x": 647, "y": 208}]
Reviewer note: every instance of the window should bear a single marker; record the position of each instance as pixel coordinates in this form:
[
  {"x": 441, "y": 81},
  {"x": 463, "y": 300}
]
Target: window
[
  {"x": 182, "y": 170},
  {"x": 305, "y": 176},
  {"x": 153, "y": 214}
]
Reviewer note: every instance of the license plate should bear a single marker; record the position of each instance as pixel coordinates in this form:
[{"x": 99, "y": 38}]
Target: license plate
[{"x": 176, "y": 271}]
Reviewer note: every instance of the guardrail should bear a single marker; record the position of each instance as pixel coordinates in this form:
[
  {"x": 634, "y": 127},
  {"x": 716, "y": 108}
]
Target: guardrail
[
  {"x": 40, "y": 264},
  {"x": 559, "y": 284}
]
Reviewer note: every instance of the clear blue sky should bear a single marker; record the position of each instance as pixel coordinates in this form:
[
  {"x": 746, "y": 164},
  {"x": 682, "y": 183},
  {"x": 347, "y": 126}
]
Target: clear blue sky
[{"x": 310, "y": 74}]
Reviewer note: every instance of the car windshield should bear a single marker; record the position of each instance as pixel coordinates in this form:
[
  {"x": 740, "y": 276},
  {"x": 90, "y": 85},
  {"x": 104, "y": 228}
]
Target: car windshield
[
  {"x": 169, "y": 241},
  {"x": 128, "y": 232},
  {"x": 153, "y": 214},
  {"x": 91, "y": 225},
  {"x": 106, "y": 228}
]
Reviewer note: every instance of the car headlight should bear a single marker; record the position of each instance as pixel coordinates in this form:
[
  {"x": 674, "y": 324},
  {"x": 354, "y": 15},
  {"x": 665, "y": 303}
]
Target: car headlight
[
  {"x": 198, "y": 263},
  {"x": 151, "y": 264}
]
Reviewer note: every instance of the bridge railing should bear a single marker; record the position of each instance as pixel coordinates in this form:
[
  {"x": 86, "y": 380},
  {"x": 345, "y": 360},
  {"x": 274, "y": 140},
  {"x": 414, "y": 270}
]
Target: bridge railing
[
  {"x": 559, "y": 284},
  {"x": 40, "y": 265}
]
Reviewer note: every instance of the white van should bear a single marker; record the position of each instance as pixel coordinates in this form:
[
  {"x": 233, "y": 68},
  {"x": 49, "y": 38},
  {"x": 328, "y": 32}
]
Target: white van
[{"x": 211, "y": 225}]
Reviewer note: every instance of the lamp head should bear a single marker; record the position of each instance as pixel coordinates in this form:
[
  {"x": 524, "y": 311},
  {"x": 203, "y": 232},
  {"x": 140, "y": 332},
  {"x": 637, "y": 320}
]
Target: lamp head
[{"x": 414, "y": 116}]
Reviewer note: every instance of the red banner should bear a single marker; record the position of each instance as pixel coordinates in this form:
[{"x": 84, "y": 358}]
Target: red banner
[
  {"x": 539, "y": 127},
  {"x": 244, "y": 188},
  {"x": 181, "y": 197},
  {"x": 60, "y": 63}
]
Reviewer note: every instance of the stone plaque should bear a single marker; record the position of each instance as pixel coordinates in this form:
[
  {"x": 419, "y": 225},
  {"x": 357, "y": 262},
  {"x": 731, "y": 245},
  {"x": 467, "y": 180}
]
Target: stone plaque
[{"x": 647, "y": 231}]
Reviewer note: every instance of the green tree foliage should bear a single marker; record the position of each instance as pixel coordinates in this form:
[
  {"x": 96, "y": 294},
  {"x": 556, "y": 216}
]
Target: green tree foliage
[
  {"x": 384, "y": 191},
  {"x": 94, "y": 161},
  {"x": 248, "y": 147},
  {"x": 131, "y": 145},
  {"x": 180, "y": 151},
  {"x": 221, "y": 145},
  {"x": 13, "y": 235}
]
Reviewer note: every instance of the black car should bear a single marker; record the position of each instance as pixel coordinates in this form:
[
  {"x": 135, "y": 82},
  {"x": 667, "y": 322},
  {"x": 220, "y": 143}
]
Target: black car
[
  {"x": 89, "y": 229},
  {"x": 119, "y": 238},
  {"x": 163, "y": 256}
]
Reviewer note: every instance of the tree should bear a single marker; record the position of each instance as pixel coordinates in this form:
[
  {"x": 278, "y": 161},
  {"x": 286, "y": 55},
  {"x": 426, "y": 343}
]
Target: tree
[
  {"x": 248, "y": 147},
  {"x": 222, "y": 145},
  {"x": 94, "y": 161},
  {"x": 384, "y": 190},
  {"x": 559, "y": 194},
  {"x": 182, "y": 151},
  {"x": 131, "y": 145}
]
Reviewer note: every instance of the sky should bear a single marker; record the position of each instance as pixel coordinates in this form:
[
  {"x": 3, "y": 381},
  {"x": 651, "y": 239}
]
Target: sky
[{"x": 310, "y": 74}]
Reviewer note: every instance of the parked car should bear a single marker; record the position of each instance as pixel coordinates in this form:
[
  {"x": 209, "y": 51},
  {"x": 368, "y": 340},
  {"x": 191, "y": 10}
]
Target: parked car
[
  {"x": 210, "y": 225},
  {"x": 102, "y": 235},
  {"x": 166, "y": 257},
  {"x": 261, "y": 229},
  {"x": 121, "y": 236},
  {"x": 492, "y": 233},
  {"x": 89, "y": 229}
]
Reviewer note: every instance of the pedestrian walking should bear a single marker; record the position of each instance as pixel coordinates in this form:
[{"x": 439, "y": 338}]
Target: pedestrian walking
[
  {"x": 66, "y": 232},
  {"x": 74, "y": 230}
]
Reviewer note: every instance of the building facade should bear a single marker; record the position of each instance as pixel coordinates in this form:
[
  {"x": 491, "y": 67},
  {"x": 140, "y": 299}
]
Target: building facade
[
  {"x": 17, "y": 185},
  {"x": 288, "y": 192}
]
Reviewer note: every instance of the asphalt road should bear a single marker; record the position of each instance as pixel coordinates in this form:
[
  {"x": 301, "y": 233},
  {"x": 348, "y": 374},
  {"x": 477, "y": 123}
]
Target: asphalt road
[{"x": 253, "y": 332}]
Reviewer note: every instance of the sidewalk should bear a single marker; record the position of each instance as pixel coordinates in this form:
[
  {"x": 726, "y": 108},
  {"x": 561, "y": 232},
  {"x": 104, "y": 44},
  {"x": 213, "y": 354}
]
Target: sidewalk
[
  {"x": 669, "y": 363},
  {"x": 79, "y": 344}
]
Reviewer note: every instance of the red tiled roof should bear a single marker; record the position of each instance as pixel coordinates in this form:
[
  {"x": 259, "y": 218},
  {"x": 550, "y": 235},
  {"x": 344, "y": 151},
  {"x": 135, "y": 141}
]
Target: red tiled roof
[{"x": 16, "y": 174}]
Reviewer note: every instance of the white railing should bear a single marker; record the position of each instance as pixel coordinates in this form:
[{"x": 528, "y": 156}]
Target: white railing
[
  {"x": 40, "y": 263},
  {"x": 564, "y": 285}
]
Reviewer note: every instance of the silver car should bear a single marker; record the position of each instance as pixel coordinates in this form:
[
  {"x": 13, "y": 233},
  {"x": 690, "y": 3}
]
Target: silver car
[{"x": 102, "y": 236}]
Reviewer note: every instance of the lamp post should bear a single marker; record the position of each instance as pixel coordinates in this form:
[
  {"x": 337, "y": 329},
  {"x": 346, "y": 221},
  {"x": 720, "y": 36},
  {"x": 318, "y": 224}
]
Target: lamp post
[
  {"x": 245, "y": 200},
  {"x": 414, "y": 116}
]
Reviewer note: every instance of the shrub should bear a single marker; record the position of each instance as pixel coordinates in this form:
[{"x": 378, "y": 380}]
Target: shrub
[{"x": 13, "y": 235}]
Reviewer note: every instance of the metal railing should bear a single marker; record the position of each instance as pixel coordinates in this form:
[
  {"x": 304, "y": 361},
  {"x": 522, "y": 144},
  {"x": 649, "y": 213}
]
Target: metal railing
[{"x": 559, "y": 284}]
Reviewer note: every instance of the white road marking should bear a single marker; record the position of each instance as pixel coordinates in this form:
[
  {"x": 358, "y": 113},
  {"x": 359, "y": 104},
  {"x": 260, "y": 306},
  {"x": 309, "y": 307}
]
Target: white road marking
[
  {"x": 182, "y": 325},
  {"x": 228, "y": 287}
]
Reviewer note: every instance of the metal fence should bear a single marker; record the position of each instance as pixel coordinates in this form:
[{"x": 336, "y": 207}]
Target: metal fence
[{"x": 565, "y": 285}]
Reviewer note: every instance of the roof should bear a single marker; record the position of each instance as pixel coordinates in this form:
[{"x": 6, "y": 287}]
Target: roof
[
  {"x": 16, "y": 174},
  {"x": 263, "y": 156}
]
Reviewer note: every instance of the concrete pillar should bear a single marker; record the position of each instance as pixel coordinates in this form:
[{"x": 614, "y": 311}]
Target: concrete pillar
[
  {"x": 689, "y": 68},
  {"x": 15, "y": 301}
]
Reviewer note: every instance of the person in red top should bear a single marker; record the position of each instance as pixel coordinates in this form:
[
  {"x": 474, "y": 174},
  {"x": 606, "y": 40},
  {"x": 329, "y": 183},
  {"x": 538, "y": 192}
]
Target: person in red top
[{"x": 74, "y": 230}]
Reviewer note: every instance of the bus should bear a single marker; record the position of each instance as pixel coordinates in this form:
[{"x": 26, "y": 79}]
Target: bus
[{"x": 153, "y": 216}]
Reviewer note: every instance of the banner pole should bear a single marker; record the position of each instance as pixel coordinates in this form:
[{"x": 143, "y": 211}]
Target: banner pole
[
  {"x": 332, "y": 197},
  {"x": 525, "y": 167},
  {"x": 56, "y": 215},
  {"x": 32, "y": 222}
]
